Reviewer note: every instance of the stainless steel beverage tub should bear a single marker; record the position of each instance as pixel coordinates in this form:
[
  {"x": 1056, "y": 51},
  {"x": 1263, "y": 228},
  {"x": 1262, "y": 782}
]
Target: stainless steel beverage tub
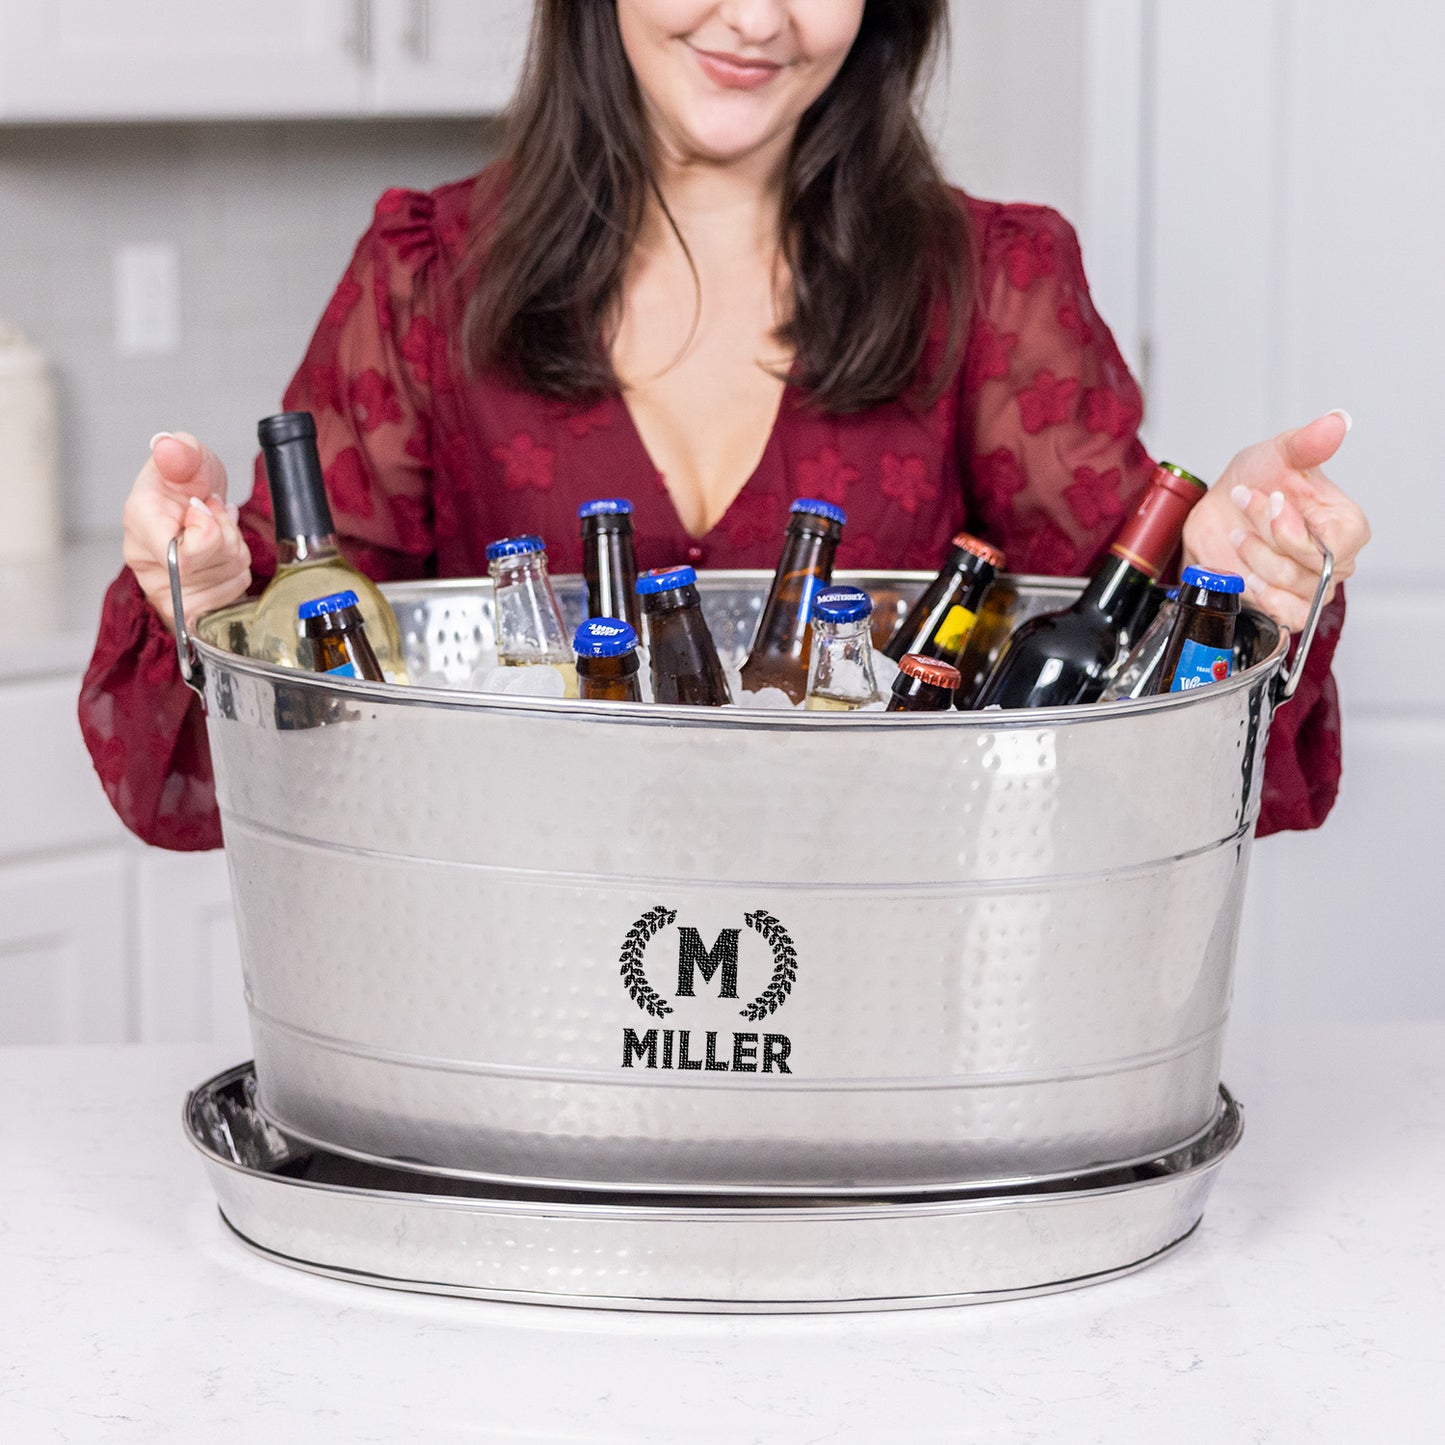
[
  {"x": 381, "y": 1225},
  {"x": 685, "y": 949}
]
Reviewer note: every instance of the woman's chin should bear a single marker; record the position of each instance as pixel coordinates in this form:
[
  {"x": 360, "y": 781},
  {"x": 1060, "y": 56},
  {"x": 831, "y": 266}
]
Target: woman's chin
[{"x": 727, "y": 139}]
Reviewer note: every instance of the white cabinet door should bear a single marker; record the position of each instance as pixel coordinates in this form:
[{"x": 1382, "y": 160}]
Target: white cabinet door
[
  {"x": 1295, "y": 218},
  {"x": 447, "y": 57},
  {"x": 189, "y": 987},
  {"x": 50, "y": 796},
  {"x": 64, "y": 950},
  {"x": 155, "y": 59}
]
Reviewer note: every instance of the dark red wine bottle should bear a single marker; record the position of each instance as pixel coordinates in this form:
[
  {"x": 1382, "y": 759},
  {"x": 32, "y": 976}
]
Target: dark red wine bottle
[{"x": 1062, "y": 658}]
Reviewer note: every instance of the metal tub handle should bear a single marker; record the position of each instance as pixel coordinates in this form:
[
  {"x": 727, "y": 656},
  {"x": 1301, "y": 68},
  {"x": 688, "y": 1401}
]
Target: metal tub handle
[
  {"x": 1288, "y": 678},
  {"x": 192, "y": 673}
]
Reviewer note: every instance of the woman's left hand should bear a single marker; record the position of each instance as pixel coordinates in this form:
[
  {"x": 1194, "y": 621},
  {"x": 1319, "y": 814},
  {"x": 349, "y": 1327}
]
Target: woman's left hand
[{"x": 1253, "y": 520}]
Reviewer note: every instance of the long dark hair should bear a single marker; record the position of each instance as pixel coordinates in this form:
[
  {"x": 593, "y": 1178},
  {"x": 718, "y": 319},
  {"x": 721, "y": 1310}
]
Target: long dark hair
[{"x": 877, "y": 245}]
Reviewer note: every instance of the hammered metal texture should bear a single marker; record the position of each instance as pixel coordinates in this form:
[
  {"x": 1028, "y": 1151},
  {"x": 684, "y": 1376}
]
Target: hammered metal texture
[
  {"x": 702, "y": 1254},
  {"x": 1012, "y": 935}
]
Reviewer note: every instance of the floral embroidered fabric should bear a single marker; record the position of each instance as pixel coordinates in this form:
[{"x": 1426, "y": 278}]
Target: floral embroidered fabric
[{"x": 1034, "y": 447}]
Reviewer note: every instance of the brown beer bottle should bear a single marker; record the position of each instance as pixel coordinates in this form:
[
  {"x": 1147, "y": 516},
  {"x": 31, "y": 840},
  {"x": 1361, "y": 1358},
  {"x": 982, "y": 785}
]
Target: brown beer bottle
[
  {"x": 923, "y": 684},
  {"x": 607, "y": 664},
  {"x": 685, "y": 665},
  {"x": 1064, "y": 657},
  {"x": 609, "y": 563},
  {"x": 940, "y": 623},
  {"x": 1201, "y": 642},
  {"x": 335, "y": 636},
  {"x": 779, "y": 654}
]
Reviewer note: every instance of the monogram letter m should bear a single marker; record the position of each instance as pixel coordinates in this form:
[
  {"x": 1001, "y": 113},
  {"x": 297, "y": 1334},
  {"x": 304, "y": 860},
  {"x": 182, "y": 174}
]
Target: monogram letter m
[{"x": 693, "y": 958}]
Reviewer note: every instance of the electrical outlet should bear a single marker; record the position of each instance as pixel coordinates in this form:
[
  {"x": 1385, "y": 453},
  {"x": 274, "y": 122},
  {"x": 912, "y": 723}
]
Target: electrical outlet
[{"x": 147, "y": 283}]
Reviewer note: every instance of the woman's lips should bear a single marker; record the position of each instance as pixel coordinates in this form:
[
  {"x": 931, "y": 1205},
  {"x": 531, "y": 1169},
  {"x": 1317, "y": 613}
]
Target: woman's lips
[{"x": 733, "y": 72}]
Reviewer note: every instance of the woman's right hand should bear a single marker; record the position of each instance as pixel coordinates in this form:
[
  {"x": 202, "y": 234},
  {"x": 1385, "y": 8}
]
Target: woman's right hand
[{"x": 182, "y": 489}]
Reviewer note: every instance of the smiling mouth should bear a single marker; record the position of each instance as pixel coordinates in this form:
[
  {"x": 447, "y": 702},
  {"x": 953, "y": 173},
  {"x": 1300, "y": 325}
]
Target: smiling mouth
[{"x": 736, "y": 72}]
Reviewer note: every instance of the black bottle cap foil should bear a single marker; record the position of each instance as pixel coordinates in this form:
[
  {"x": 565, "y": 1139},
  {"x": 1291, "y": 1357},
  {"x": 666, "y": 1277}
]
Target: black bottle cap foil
[{"x": 293, "y": 468}]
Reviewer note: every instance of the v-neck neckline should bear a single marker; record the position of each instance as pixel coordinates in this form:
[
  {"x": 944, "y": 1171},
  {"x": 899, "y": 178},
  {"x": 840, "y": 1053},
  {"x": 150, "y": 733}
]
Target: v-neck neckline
[{"x": 769, "y": 444}]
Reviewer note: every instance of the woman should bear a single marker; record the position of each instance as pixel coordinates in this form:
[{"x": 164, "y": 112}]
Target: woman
[{"x": 717, "y": 269}]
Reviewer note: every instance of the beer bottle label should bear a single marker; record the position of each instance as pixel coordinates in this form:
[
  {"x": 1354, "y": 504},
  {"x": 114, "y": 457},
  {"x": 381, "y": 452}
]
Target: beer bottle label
[
  {"x": 345, "y": 670},
  {"x": 1199, "y": 665},
  {"x": 953, "y": 631}
]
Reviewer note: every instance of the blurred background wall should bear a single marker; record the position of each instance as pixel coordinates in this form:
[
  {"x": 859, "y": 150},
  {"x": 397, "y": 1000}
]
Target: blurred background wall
[{"x": 1256, "y": 184}]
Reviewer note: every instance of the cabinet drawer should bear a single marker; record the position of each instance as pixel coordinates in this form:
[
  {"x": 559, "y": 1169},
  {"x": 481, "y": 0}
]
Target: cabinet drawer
[{"x": 50, "y": 796}]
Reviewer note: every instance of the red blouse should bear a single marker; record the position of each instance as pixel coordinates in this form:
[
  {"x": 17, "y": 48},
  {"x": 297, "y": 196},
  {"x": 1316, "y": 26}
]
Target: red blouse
[{"x": 1034, "y": 446}]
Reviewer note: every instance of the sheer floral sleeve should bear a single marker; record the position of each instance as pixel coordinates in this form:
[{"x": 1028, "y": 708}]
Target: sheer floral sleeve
[
  {"x": 366, "y": 377},
  {"x": 1051, "y": 434}
]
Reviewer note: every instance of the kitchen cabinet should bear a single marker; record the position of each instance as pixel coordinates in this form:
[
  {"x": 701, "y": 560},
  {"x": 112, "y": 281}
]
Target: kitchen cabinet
[
  {"x": 64, "y": 936},
  {"x": 188, "y": 960},
  {"x": 102, "y": 939},
  {"x": 79, "y": 60},
  {"x": 447, "y": 57}
]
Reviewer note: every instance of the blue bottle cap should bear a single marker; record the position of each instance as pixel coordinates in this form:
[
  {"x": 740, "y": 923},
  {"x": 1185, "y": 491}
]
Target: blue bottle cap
[
  {"x": 604, "y": 637},
  {"x": 333, "y": 602},
  {"x": 605, "y": 507},
  {"x": 1227, "y": 582},
  {"x": 515, "y": 547},
  {"x": 665, "y": 579},
  {"x": 841, "y": 604},
  {"x": 820, "y": 509}
]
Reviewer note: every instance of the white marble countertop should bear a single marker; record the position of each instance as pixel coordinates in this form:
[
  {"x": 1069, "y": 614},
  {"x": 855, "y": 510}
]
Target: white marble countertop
[{"x": 1310, "y": 1307}]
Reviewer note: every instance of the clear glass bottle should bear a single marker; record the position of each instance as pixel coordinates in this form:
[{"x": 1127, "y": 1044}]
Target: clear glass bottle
[
  {"x": 607, "y": 662},
  {"x": 337, "y": 633},
  {"x": 840, "y": 672},
  {"x": 779, "y": 654},
  {"x": 1137, "y": 675},
  {"x": 308, "y": 558},
  {"x": 530, "y": 632}
]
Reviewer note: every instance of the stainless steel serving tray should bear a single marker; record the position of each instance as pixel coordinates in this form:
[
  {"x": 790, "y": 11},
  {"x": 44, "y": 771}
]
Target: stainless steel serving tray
[{"x": 386, "y": 1226}]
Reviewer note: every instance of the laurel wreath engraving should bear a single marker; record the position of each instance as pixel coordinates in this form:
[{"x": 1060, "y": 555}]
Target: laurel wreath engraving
[
  {"x": 633, "y": 947},
  {"x": 785, "y": 966}
]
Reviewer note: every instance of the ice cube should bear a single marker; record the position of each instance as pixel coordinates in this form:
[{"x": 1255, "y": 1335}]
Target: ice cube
[
  {"x": 541, "y": 680},
  {"x": 885, "y": 670},
  {"x": 772, "y": 698},
  {"x": 492, "y": 679}
]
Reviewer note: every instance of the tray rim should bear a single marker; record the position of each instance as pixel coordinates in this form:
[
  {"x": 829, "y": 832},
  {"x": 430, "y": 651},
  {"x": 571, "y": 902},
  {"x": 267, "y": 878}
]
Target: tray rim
[
  {"x": 885, "y": 1304},
  {"x": 953, "y": 1189},
  {"x": 1227, "y": 1125}
]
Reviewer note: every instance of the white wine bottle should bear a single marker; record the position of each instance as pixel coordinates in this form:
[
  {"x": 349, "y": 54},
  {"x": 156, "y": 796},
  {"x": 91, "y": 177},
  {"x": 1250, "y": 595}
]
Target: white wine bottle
[{"x": 309, "y": 563}]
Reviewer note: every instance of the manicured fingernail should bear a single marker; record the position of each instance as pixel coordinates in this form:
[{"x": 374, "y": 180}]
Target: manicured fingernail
[
  {"x": 1276, "y": 504},
  {"x": 1252, "y": 583},
  {"x": 1241, "y": 497},
  {"x": 1236, "y": 537},
  {"x": 160, "y": 436},
  {"x": 197, "y": 502},
  {"x": 1344, "y": 416},
  {"x": 233, "y": 511}
]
